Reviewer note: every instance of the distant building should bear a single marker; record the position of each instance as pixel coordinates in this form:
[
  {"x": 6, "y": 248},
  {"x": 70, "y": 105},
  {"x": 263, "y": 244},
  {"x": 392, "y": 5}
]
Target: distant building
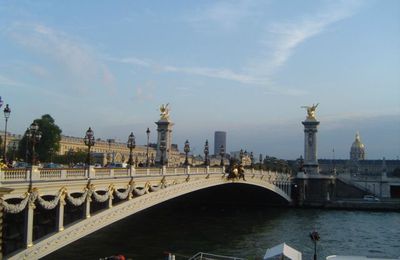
[
  {"x": 219, "y": 139},
  {"x": 357, "y": 150}
]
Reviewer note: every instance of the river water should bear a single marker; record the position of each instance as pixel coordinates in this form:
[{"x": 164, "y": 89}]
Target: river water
[{"x": 246, "y": 230}]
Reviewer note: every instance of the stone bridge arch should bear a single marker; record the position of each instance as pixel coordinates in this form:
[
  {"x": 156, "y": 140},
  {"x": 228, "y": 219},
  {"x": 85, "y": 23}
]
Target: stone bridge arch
[{"x": 151, "y": 195}]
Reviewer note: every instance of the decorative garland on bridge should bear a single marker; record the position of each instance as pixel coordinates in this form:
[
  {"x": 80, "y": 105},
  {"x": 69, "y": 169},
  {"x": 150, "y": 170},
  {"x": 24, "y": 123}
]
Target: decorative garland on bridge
[
  {"x": 16, "y": 208},
  {"x": 33, "y": 195}
]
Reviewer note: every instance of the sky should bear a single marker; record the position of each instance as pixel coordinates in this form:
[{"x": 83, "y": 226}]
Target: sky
[{"x": 244, "y": 67}]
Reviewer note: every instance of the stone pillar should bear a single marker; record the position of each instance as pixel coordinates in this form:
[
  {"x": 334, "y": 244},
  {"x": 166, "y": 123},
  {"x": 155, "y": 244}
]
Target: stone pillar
[
  {"x": 86, "y": 210},
  {"x": 29, "y": 224},
  {"x": 60, "y": 214},
  {"x": 310, "y": 145},
  {"x": 3, "y": 191},
  {"x": 164, "y": 130}
]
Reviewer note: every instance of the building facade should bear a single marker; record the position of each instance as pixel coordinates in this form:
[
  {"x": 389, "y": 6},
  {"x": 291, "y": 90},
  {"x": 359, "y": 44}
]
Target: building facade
[{"x": 219, "y": 140}]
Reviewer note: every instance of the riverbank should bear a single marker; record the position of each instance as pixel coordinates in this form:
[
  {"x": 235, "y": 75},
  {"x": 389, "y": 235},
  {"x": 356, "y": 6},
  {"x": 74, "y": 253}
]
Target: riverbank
[{"x": 355, "y": 204}]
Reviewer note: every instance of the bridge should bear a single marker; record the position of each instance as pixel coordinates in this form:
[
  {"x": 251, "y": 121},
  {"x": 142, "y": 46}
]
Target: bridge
[{"x": 102, "y": 196}]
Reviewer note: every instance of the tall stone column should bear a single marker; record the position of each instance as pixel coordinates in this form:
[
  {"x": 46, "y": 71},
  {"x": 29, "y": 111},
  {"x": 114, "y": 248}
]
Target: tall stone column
[
  {"x": 310, "y": 141},
  {"x": 164, "y": 137}
]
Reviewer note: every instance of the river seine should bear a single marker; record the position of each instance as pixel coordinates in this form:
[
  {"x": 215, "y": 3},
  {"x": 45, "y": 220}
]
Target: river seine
[{"x": 187, "y": 226}]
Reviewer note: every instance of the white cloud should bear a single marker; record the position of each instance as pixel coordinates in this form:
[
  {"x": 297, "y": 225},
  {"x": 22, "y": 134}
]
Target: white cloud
[
  {"x": 277, "y": 43},
  {"x": 5, "y": 81},
  {"x": 225, "y": 14},
  {"x": 77, "y": 59},
  {"x": 281, "y": 39}
]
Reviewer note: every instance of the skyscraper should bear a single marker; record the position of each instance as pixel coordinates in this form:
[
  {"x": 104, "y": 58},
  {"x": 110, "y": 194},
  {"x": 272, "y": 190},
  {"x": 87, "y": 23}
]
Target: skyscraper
[{"x": 219, "y": 139}]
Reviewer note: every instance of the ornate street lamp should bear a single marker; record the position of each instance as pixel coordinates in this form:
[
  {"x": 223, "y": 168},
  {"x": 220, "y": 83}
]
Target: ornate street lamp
[
  {"x": 241, "y": 156},
  {"x": 89, "y": 142},
  {"x": 7, "y": 112},
  {"x": 222, "y": 154},
  {"x": 186, "y": 149},
  {"x": 131, "y": 144},
  {"x": 147, "y": 150},
  {"x": 162, "y": 149},
  {"x": 260, "y": 159},
  {"x": 206, "y": 151},
  {"x": 251, "y": 160},
  {"x": 34, "y": 135},
  {"x": 152, "y": 158},
  {"x": 69, "y": 154},
  {"x": 109, "y": 157},
  {"x": 14, "y": 149},
  {"x": 315, "y": 237}
]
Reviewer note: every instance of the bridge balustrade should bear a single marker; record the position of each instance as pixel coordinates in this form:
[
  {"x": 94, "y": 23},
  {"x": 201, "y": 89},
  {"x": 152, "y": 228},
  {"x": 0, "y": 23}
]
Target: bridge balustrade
[
  {"x": 50, "y": 174},
  {"x": 14, "y": 174},
  {"x": 75, "y": 173}
]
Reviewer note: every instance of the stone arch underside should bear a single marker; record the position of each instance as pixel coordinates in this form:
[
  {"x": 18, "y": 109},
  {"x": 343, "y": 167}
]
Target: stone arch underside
[{"x": 125, "y": 209}]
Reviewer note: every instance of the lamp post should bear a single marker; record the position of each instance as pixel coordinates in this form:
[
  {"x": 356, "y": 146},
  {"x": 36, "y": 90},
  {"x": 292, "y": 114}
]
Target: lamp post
[
  {"x": 14, "y": 149},
  {"x": 131, "y": 144},
  {"x": 109, "y": 141},
  {"x": 186, "y": 149},
  {"x": 7, "y": 112},
  {"x": 89, "y": 142},
  {"x": 241, "y": 156},
  {"x": 251, "y": 160},
  {"x": 260, "y": 159},
  {"x": 34, "y": 136},
  {"x": 69, "y": 154},
  {"x": 147, "y": 150},
  {"x": 222, "y": 154},
  {"x": 51, "y": 151},
  {"x": 206, "y": 151},
  {"x": 315, "y": 237},
  {"x": 27, "y": 137}
]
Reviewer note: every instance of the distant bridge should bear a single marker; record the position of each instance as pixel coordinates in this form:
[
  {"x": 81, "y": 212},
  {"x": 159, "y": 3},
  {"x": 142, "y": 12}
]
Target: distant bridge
[{"x": 123, "y": 191}]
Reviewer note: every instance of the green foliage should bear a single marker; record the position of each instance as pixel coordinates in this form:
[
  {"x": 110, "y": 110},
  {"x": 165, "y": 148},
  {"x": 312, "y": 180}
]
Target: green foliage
[
  {"x": 47, "y": 146},
  {"x": 71, "y": 157}
]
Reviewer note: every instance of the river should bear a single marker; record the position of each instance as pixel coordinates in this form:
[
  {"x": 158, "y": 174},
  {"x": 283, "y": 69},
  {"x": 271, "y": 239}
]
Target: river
[{"x": 186, "y": 227}]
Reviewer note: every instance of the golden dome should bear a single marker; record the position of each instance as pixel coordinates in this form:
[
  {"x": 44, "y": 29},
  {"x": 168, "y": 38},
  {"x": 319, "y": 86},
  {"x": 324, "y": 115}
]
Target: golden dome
[{"x": 357, "y": 143}]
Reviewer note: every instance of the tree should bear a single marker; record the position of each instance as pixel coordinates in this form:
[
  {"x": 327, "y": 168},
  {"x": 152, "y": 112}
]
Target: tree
[
  {"x": 1, "y": 146},
  {"x": 47, "y": 145}
]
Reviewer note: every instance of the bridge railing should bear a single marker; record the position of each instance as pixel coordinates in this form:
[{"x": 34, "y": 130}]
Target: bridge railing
[{"x": 41, "y": 174}]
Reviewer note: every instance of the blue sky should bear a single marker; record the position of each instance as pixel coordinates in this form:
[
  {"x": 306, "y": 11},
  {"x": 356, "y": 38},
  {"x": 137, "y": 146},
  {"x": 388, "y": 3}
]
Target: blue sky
[{"x": 245, "y": 67}]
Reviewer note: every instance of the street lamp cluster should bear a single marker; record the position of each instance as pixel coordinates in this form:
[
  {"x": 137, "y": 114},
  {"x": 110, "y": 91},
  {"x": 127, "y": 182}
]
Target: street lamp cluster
[{"x": 131, "y": 144}]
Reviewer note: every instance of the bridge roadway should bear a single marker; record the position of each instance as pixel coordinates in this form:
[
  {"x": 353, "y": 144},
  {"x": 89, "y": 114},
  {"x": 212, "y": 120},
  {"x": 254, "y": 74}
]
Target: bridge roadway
[{"x": 136, "y": 189}]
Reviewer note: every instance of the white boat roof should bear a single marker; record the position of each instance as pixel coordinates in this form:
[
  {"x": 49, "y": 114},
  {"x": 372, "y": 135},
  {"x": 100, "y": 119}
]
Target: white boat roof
[
  {"x": 282, "y": 249},
  {"x": 343, "y": 257}
]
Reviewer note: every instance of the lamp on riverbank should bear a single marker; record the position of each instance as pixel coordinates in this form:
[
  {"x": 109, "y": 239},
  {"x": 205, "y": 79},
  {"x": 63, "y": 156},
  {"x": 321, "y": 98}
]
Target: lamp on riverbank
[{"x": 315, "y": 237}]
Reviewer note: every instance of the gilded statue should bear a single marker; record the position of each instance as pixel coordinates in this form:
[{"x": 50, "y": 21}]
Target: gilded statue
[
  {"x": 164, "y": 109},
  {"x": 311, "y": 111}
]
